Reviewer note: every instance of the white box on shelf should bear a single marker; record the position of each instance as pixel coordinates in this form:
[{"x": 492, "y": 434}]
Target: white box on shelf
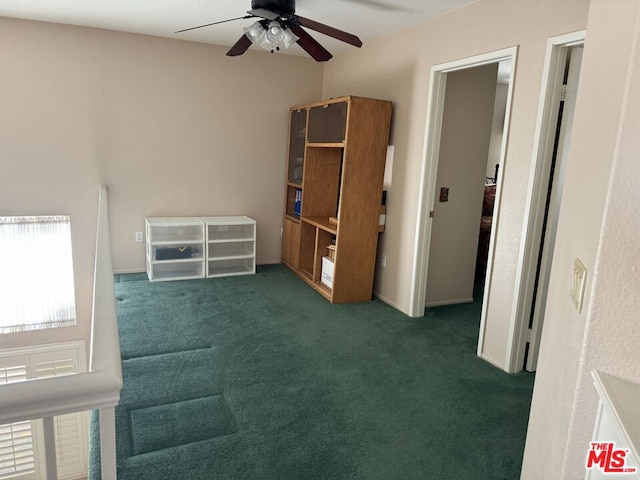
[{"x": 327, "y": 272}]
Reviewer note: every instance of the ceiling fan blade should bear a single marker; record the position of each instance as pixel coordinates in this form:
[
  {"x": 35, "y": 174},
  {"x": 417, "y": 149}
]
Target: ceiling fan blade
[
  {"x": 310, "y": 45},
  {"x": 262, "y": 13},
  {"x": 330, "y": 31},
  {"x": 240, "y": 46},
  {"x": 215, "y": 23}
]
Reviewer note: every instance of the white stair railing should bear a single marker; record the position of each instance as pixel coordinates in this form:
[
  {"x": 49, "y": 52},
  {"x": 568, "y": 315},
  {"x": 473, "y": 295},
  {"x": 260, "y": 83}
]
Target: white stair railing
[{"x": 99, "y": 388}]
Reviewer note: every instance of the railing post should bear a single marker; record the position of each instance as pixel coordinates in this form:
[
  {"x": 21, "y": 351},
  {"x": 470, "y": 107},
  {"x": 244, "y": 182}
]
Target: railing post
[
  {"x": 108, "y": 443},
  {"x": 50, "y": 448}
]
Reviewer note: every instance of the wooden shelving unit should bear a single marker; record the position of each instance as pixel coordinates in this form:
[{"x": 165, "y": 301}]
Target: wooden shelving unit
[{"x": 345, "y": 145}]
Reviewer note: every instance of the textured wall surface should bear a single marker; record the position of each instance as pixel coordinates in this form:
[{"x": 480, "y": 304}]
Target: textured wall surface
[{"x": 598, "y": 224}]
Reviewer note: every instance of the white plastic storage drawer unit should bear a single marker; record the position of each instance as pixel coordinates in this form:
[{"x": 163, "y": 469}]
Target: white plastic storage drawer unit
[
  {"x": 175, "y": 248},
  {"x": 231, "y": 246}
]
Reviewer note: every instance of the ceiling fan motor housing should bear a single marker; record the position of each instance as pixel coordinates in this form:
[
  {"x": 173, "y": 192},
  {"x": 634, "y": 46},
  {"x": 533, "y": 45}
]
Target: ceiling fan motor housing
[{"x": 283, "y": 7}]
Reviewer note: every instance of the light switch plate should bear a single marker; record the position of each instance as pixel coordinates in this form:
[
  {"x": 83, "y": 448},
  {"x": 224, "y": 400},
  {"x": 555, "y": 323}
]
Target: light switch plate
[{"x": 579, "y": 284}]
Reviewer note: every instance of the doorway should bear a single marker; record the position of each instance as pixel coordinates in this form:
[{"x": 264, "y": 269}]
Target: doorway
[
  {"x": 561, "y": 76},
  {"x": 466, "y": 181},
  {"x": 518, "y": 338},
  {"x": 429, "y": 188}
]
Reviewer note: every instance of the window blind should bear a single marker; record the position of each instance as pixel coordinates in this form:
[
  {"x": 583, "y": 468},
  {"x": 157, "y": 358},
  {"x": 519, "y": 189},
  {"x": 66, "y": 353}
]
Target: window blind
[
  {"x": 22, "y": 443},
  {"x": 17, "y": 454}
]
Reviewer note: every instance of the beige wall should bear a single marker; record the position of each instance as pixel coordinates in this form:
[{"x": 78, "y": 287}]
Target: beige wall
[
  {"x": 397, "y": 68},
  {"x": 599, "y": 224},
  {"x": 172, "y": 127},
  {"x": 464, "y": 145}
]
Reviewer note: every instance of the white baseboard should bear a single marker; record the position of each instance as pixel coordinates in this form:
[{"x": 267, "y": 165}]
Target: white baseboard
[
  {"x": 391, "y": 303},
  {"x": 493, "y": 362}
]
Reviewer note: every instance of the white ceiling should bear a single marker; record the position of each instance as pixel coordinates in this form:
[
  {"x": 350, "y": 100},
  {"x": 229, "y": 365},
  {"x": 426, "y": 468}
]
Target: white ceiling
[{"x": 368, "y": 19}]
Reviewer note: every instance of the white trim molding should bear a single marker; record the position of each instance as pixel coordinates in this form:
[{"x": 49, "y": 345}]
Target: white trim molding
[{"x": 529, "y": 241}]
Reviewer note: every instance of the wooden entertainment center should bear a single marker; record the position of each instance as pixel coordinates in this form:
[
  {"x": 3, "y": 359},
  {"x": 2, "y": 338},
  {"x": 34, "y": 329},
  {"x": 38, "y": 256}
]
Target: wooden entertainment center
[{"x": 337, "y": 154}]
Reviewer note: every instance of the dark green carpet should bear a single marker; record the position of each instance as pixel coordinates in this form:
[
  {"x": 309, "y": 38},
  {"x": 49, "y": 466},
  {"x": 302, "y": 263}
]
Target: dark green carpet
[{"x": 258, "y": 377}]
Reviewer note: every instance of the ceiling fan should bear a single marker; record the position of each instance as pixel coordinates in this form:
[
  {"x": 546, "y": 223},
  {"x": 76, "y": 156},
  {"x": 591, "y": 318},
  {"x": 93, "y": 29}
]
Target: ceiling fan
[{"x": 279, "y": 25}]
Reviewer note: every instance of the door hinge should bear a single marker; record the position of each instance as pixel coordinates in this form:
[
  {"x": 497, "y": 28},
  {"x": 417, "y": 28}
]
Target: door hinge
[
  {"x": 431, "y": 214},
  {"x": 529, "y": 335},
  {"x": 563, "y": 92}
]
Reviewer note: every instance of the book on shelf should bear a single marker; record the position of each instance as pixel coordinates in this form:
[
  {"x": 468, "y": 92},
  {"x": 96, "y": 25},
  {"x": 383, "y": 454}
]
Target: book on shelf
[{"x": 298, "y": 204}]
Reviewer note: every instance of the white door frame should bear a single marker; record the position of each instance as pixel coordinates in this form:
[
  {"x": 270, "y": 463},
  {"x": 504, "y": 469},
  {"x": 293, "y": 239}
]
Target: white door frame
[
  {"x": 555, "y": 180},
  {"x": 437, "y": 90},
  {"x": 556, "y": 55}
]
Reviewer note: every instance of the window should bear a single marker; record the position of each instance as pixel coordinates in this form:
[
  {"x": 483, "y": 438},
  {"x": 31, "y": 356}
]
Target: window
[{"x": 36, "y": 274}]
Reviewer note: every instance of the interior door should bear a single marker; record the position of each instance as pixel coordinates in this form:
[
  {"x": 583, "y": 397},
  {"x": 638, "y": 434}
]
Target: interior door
[
  {"x": 554, "y": 198},
  {"x": 464, "y": 146}
]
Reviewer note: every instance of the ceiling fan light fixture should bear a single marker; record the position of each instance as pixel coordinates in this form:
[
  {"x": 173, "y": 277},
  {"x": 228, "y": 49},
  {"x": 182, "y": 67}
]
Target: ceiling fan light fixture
[
  {"x": 274, "y": 32},
  {"x": 276, "y": 35},
  {"x": 268, "y": 44},
  {"x": 289, "y": 38},
  {"x": 254, "y": 32}
]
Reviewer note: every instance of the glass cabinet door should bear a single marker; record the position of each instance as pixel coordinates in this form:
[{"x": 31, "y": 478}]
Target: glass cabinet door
[
  {"x": 335, "y": 122},
  {"x": 316, "y": 124},
  {"x": 296, "y": 145},
  {"x": 327, "y": 123}
]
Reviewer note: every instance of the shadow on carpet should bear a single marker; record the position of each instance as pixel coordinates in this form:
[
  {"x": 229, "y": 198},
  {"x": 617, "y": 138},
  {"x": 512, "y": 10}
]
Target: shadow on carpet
[{"x": 258, "y": 377}]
